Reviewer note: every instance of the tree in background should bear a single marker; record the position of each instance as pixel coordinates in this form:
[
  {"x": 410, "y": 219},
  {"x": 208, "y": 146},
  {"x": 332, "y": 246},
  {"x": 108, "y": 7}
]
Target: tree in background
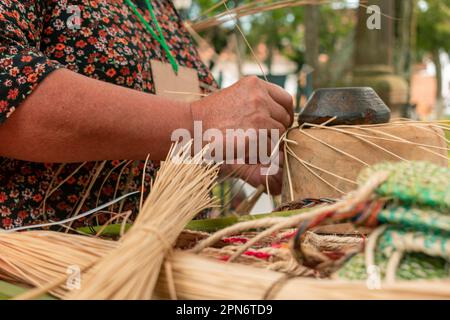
[
  {"x": 405, "y": 36},
  {"x": 433, "y": 37},
  {"x": 217, "y": 37},
  {"x": 283, "y": 31}
]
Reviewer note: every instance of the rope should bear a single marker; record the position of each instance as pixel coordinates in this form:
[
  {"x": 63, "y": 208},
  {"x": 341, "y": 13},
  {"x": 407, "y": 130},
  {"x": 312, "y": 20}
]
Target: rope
[
  {"x": 392, "y": 266},
  {"x": 276, "y": 224},
  {"x": 371, "y": 245},
  {"x": 331, "y": 242},
  {"x": 411, "y": 242}
]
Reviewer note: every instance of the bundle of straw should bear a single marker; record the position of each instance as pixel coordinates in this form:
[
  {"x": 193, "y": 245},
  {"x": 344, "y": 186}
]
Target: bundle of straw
[
  {"x": 200, "y": 278},
  {"x": 195, "y": 277},
  {"x": 37, "y": 258},
  {"x": 181, "y": 190}
]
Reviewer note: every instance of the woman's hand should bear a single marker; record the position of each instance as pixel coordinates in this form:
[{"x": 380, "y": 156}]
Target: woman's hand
[
  {"x": 251, "y": 103},
  {"x": 252, "y": 175}
]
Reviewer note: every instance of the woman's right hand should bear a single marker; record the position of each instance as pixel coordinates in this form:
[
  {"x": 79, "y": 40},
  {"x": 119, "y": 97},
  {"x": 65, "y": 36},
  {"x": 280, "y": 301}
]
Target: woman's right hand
[{"x": 251, "y": 103}]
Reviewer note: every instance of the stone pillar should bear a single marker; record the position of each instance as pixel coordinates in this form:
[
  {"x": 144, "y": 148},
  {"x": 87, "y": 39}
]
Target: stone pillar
[{"x": 373, "y": 56}]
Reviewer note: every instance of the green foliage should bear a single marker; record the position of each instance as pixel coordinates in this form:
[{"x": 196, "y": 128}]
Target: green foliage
[
  {"x": 281, "y": 29},
  {"x": 334, "y": 25},
  {"x": 433, "y": 25},
  {"x": 217, "y": 37}
]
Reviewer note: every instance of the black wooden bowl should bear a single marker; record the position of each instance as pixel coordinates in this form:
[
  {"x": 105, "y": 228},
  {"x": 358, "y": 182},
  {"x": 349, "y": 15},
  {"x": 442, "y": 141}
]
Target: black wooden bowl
[{"x": 350, "y": 106}]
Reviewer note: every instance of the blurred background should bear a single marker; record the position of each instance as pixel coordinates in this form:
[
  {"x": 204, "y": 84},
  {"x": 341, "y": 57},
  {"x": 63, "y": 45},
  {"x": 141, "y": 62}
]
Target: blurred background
[{"x": 398, "y": 47}]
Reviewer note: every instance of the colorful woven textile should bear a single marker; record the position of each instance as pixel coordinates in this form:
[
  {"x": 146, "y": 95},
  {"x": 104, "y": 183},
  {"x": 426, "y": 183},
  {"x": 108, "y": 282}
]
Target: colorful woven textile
[
  {"x": 418, "y": 219},
  {"x": 414, "y": 183},
  {"x": 414, "y": 266}
]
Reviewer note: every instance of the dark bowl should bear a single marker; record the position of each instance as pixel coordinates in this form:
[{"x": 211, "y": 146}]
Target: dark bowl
[{"x": 350, "y": 106}]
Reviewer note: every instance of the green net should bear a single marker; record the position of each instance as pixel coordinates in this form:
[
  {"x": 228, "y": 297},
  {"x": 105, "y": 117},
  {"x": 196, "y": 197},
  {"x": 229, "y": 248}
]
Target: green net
[
  {"x": 414, "y": 183},
  {"x": 418, "y": 219},
  {"x": 413, "y": 266}
]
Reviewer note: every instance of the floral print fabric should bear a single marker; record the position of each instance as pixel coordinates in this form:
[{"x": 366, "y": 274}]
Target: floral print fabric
[{"x": 101, "y": 39}]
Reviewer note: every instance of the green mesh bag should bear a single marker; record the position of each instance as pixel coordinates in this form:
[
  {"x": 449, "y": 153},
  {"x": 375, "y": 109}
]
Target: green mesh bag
[
  {"x": 420, "y": 219},
  {"x": 414, "y": 183},
  {"x": 413, "y": 266},
  {"x": 418, "y": 216}
]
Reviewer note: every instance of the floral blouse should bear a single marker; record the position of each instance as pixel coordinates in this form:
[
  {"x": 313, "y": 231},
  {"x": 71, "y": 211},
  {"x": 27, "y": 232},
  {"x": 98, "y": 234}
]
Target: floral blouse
[{"x": 102, "y": 39}]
